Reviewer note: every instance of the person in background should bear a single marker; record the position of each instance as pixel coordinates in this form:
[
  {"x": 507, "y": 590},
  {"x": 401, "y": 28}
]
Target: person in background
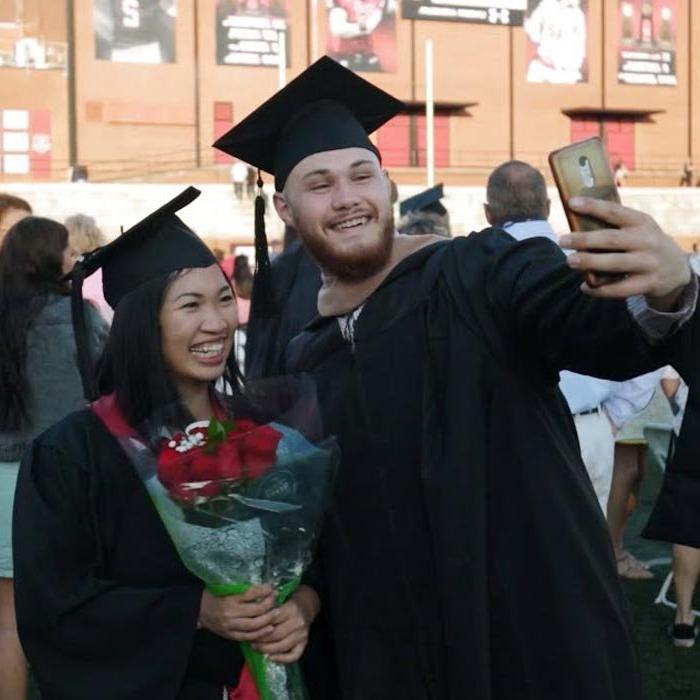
[
  {"x": 84, "y": 236},
  {"x": 424, "y": 213},
  {"x": 227, "y": 261},
  {"x": 12, "y": 209},
  {"x": 250, "y": 179},
  {"x": 686, "y": 559},
  {"x": 239, "y": 174},
  {"x": 687, "y": 174},
  {"x": 517, "y": 202},
  {"x": 620, "y": 174},
  {"x": 694, "y": 259},
  {"x": 242, "y": 279},
  {"x": 632, "y": 397},
  {"x": 39, "y": 384}
]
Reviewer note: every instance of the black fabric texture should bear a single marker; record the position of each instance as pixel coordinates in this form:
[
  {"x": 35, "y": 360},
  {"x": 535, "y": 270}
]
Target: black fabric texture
[
  {"x": 464, "y": 553},
  {"x": 105, "y": 608}
]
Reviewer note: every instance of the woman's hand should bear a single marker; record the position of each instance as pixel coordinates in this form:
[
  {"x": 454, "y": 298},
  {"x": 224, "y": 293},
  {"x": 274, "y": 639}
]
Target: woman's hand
[
  {"x": 286, "y": 643},
  {"x": 247, "y": 617}
]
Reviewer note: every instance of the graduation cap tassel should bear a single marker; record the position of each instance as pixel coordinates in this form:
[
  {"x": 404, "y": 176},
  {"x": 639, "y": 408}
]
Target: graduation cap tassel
[
  {"x": 262, "y": 303},
  {"x": 82, "y": 344}
]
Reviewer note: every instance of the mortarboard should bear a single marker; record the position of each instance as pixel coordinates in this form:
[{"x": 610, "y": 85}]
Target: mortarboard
[
  {"x": 157, "y": 245},
  {"x": 327, "y": 107},
  {"x": 428, "y": 200}
]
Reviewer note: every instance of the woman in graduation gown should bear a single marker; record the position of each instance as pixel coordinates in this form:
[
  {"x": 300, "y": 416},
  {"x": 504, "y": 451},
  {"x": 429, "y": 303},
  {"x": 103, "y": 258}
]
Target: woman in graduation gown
[{"x": 105, "y": 607}]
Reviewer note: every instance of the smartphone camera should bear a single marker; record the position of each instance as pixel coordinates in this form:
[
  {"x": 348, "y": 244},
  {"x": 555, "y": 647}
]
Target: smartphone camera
[{"x": 586, "y": 171}]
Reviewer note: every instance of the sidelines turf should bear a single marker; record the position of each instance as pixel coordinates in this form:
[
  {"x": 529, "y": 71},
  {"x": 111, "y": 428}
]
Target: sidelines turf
[{"x": 669, "y": 673}]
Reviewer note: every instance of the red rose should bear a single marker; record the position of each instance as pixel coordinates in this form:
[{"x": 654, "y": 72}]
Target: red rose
[
  {"x": 259, "y": 450},
  {"x": 204, "y": 464},
  {"x": 229, "y": 465},
  {"x": 173, "y": 467}
]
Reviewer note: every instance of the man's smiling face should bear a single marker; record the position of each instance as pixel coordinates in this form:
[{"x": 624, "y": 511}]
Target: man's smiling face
[{"x": 339, "y": 201}]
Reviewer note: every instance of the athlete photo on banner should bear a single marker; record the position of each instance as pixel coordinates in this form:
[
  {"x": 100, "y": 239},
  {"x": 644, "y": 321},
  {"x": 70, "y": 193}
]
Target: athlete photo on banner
[
  {"x": 647, "y": 53},
  {"x": 556, "y": 33},
  {"x": 248, "y": 32},
  {"x": 362, "y": 34},
  {"x": 135, "y": 31}
]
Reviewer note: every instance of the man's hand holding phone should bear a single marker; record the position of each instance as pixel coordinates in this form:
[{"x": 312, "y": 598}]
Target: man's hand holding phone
[{"x": 634, "y": 246}]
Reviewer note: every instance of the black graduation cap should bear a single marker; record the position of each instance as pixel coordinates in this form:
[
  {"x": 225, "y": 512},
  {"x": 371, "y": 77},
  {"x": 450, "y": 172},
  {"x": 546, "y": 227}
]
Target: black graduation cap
[
  {"x": 155, "y": 246},
  {"x": 327, "y": 107},
  {"x": 428, "y": 200}
]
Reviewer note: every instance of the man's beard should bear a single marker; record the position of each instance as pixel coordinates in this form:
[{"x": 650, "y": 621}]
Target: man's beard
[{"x": 352, "y": 264}]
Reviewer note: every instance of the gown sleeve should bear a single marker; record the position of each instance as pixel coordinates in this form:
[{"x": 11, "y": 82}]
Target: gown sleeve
[
  {"x": 86, "y": 636},
  {"x": 545, "y": 319}
]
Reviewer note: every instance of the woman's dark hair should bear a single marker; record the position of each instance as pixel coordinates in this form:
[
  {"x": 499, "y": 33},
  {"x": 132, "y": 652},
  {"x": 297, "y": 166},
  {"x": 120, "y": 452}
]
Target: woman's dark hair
[
  {"x": 31, "y": 267},
  {"x": 132, "y": 364}
]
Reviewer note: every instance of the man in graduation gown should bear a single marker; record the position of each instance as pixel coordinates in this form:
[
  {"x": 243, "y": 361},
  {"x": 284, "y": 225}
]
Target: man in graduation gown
[{"x": 464, "y": 555}]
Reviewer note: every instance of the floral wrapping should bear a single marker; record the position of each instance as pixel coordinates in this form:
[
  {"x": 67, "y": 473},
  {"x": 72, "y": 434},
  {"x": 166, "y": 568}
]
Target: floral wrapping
[{"x": 242, "y": 502}]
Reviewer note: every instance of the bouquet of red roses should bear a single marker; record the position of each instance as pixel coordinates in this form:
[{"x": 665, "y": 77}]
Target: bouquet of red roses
[
  {"x": 242, "y": 501},
  {"x": 211, "y": 459}
]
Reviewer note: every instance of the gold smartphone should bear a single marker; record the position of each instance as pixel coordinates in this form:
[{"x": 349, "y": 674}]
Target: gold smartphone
[{"x": 583, "y": 169}]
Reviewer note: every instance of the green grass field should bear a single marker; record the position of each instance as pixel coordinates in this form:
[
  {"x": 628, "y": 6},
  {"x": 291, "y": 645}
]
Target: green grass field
[{"x": 669, "y": 673}]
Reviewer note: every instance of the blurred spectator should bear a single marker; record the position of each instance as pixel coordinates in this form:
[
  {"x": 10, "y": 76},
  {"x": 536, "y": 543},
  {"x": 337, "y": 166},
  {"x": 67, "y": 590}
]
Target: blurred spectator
[
  {"x": 228, "y": 260},
  {"x": 687, "y": 174},
  {"x": 686, "y": 560},
  {"x": 424, "y": 214},
  {"x": 620, "y": 174},
  {"x": 12, "y": 209},
  {"x": 39, "y": 384},
  {"x": 250, "y": 179},
  {"x": 239, "y": 174},
  {"x": 243, "y": 286},
  {"x": 633, "y": 396},
  {"x": 84, "y": 236},
  {"x": 694, "y": 259},
  {"x": 422, "y": 223}
]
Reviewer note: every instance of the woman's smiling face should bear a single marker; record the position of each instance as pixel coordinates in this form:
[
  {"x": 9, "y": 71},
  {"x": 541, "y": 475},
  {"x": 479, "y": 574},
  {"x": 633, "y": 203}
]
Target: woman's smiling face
[{"x": 197, "y": 321}]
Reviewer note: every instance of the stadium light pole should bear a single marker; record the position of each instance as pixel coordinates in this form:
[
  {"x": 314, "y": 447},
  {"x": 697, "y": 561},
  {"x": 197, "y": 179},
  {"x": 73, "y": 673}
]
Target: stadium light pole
[
  {"x": 281, "y": 59},
  {"x": 313, "y": 16},
  {"x": 70, "y": 83},
  {"x": 429, "y": 115}
]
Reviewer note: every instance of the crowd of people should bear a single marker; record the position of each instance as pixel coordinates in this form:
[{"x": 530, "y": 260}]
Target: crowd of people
[{"x": 477, "y": 388}]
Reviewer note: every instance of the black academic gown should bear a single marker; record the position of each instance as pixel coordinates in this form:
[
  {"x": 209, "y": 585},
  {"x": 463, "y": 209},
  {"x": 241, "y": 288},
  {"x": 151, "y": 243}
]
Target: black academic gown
[
  {"x": 676, "y": 514},
  {"x": 296, "y": 280},
  {"x": 105, "y": 608},
  {"x": 465, "y": 554}
]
